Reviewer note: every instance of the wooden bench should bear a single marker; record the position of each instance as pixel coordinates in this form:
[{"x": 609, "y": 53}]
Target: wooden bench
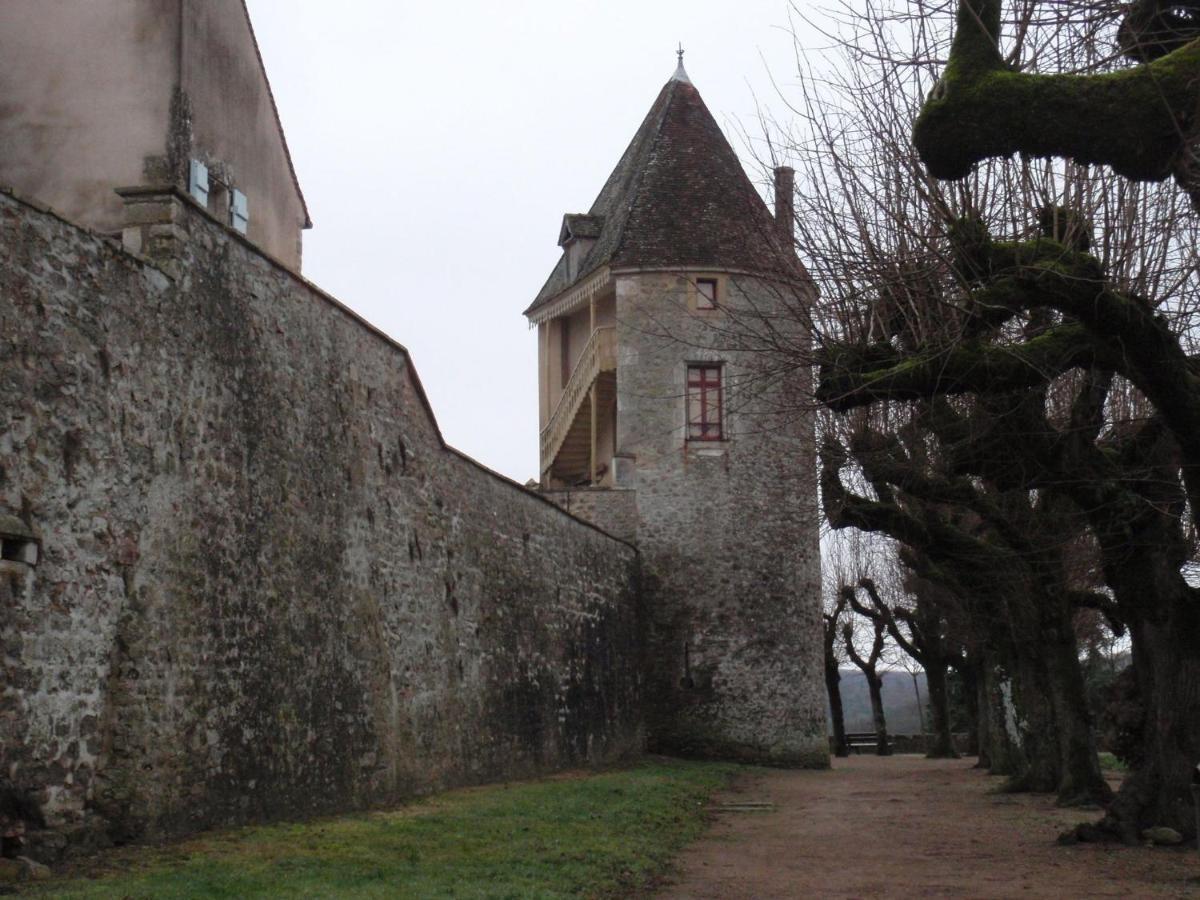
[{"x": 857, "y": 740}]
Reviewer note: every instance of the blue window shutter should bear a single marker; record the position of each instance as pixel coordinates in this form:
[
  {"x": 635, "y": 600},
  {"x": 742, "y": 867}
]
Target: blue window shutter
[
  {"x": 198, "y": 182},
  {"x": 239, "y": 211}
]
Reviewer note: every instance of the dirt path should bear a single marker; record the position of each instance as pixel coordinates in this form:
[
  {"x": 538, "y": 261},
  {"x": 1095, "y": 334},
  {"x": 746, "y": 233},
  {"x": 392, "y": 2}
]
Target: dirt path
[{"x": 904, "y": 826}]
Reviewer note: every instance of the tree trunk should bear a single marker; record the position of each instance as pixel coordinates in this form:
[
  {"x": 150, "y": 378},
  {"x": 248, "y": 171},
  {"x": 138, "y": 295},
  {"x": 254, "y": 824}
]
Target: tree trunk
[
  {"x": 875, "y": 685},
  {"x": 1035, "y": 720},
  {"x": 833, "y": 679},
  {"x": 920, "y": 705},
  {"x": 941, "y": 741},
  {"x": 976, "y": 741},
  {"x": 1004, "y": 756},
  {"x": 1168, "y": 675},
  {"x": 1080, "y": 781}
]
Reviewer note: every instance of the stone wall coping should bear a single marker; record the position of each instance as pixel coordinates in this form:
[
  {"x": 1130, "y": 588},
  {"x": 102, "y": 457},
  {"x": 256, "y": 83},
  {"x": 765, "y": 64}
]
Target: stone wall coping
[{"x": 175, "y": 192}]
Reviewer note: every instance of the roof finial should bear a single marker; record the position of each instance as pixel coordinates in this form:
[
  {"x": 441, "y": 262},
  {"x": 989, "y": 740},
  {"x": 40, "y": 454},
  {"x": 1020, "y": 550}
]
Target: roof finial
[{"x": 681, "y": 73}]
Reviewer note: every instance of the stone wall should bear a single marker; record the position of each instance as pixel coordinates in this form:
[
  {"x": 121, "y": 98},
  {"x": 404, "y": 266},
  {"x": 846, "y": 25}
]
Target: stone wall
[
  {"x": 728, "y": 529},
  {"x": 612, "y": 509},
  {"x": 264, "y": 586}
]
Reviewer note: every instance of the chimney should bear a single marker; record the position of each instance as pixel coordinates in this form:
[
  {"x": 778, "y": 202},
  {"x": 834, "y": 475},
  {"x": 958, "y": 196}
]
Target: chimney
[{"x": 785, "y": 209}]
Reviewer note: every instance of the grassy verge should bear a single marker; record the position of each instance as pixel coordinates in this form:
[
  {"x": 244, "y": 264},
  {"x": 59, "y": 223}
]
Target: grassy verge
[
  {"x": 1109, "y": 763},
  {"x": 589, "y": 835}
]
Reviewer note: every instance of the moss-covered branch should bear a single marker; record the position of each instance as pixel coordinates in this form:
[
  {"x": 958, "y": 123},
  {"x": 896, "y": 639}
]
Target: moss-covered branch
[
  {"x": 1134, "y": 120},
  {"x": 1127, "y": 492},
  {"x": 1127, "y": 333},
  {"x": 885, "y": 463},
  {"x": 845, "y": 509},
  {"x": 852, "y": 376},
  {"x": 1105, "y": 330},
  {"x": 967, "y": 558}
]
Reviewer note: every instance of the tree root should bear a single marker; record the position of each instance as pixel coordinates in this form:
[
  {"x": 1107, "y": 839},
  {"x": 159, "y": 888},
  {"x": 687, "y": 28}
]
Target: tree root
[{"x": 1107, "y": 831}]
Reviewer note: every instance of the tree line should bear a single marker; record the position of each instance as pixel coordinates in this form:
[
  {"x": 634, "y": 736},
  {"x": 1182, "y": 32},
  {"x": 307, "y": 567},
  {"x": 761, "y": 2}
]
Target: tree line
[{"x": 996, "y": 201}]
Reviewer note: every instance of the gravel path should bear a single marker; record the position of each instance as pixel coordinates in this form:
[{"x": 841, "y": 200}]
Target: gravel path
[{"x": 905, "y": 826}]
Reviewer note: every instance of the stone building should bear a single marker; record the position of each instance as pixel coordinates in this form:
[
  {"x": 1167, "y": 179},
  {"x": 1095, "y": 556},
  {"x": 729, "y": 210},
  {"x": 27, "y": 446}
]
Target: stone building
[
  {"x": 662, "y": 425},
  {"x": 242, "y": 576},
  {"x": 140, "y": 94}
]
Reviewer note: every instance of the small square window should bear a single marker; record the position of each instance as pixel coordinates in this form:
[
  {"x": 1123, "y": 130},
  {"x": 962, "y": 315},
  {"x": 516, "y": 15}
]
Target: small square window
[
  {"x": 704, "y": 402},
  {"x": 18, "y": 549},
  {"x": 706, "y": 293}
]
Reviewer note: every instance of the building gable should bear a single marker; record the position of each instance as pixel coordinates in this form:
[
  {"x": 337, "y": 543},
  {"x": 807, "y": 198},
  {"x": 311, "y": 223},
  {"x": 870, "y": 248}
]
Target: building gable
[{"x": 109, "y": 94}]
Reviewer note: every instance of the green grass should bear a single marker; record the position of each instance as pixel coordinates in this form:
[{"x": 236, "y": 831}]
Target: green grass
[
  {"x": 593, "y": 836},
  {"x": 1109, "y": 763}
]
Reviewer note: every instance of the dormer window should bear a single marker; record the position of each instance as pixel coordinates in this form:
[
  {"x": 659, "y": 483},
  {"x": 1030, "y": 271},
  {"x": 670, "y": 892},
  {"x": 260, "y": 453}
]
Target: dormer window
[
  {"x": 577, "y": 235},
  {"x": 706, "y": 293}
]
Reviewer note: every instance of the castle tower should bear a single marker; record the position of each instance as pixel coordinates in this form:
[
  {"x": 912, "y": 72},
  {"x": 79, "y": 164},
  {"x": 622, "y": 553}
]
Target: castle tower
[
  {"x": 138, "y": 95},
  {"x": 662, "y": 422}
]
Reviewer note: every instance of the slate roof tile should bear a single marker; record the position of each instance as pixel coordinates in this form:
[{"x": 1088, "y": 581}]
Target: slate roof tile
[{"x": 678, "y": 198}]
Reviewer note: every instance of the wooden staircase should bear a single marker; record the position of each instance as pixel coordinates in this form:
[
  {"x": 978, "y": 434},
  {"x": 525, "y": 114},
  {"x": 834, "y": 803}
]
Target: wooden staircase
[
  {"x": 589, "y": 396},
  {"x": 573, "y": 462}
]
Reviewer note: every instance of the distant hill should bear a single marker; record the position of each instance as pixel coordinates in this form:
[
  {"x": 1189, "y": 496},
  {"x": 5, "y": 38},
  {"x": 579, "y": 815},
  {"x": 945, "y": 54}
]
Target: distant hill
[{"x": 899, "y": 701}]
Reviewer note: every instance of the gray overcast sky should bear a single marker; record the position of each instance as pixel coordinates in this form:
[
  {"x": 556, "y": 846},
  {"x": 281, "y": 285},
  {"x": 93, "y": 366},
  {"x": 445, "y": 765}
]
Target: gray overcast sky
[{"x": 439, "y": 144}]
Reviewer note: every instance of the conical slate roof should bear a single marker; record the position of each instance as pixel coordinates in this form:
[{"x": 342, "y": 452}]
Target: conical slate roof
[{"x": 678, "y": 198}]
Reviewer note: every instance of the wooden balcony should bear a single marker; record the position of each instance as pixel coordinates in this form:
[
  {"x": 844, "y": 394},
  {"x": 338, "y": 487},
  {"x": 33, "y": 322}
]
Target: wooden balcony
[{"x": 567, "y": 441}]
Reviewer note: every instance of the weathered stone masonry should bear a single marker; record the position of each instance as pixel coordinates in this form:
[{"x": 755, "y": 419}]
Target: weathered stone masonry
[
  {"x": 727, "y": 531},
  {"x": 264, "y": 585},
  {"x": 679, "y": 271}
]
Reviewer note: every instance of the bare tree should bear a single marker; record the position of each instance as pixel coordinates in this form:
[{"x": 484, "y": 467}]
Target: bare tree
[
  {"x": 1081, "y": 358},
  {"x": 922, "y": 643},
  {"x": 869, "y": 665},
  {"x": 957, "y": 339},
  {"x": 832, "y": 619}
]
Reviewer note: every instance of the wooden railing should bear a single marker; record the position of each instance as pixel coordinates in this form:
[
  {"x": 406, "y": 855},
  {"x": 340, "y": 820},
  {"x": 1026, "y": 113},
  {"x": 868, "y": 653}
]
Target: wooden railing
[{"x": 599, "y": 355}]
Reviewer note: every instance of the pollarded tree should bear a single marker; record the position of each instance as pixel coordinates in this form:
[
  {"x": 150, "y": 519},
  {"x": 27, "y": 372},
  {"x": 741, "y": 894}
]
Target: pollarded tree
[
  {"x": 1141, "y": 121},
  {"x": 1130, "y": 484},
  {"x": 869, "y": 666},
  {"x": 919, "y": 631},
  {"x": 1051, "y": 367},
  {"x": 846, "y": 557},
  {"x": 832, "y": 624},
  {"x": 997, "y": 553}
]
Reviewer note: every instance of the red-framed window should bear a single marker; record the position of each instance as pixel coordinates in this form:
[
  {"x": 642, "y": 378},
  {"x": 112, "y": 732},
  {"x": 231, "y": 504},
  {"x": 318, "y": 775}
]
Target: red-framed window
[
  {"x": 704, "y": 402},
  {"x": 706, "y": 293}
]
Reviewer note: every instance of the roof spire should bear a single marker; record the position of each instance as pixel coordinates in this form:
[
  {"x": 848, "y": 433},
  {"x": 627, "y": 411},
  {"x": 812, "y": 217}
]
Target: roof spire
[{"x": 681, "y": 73}]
